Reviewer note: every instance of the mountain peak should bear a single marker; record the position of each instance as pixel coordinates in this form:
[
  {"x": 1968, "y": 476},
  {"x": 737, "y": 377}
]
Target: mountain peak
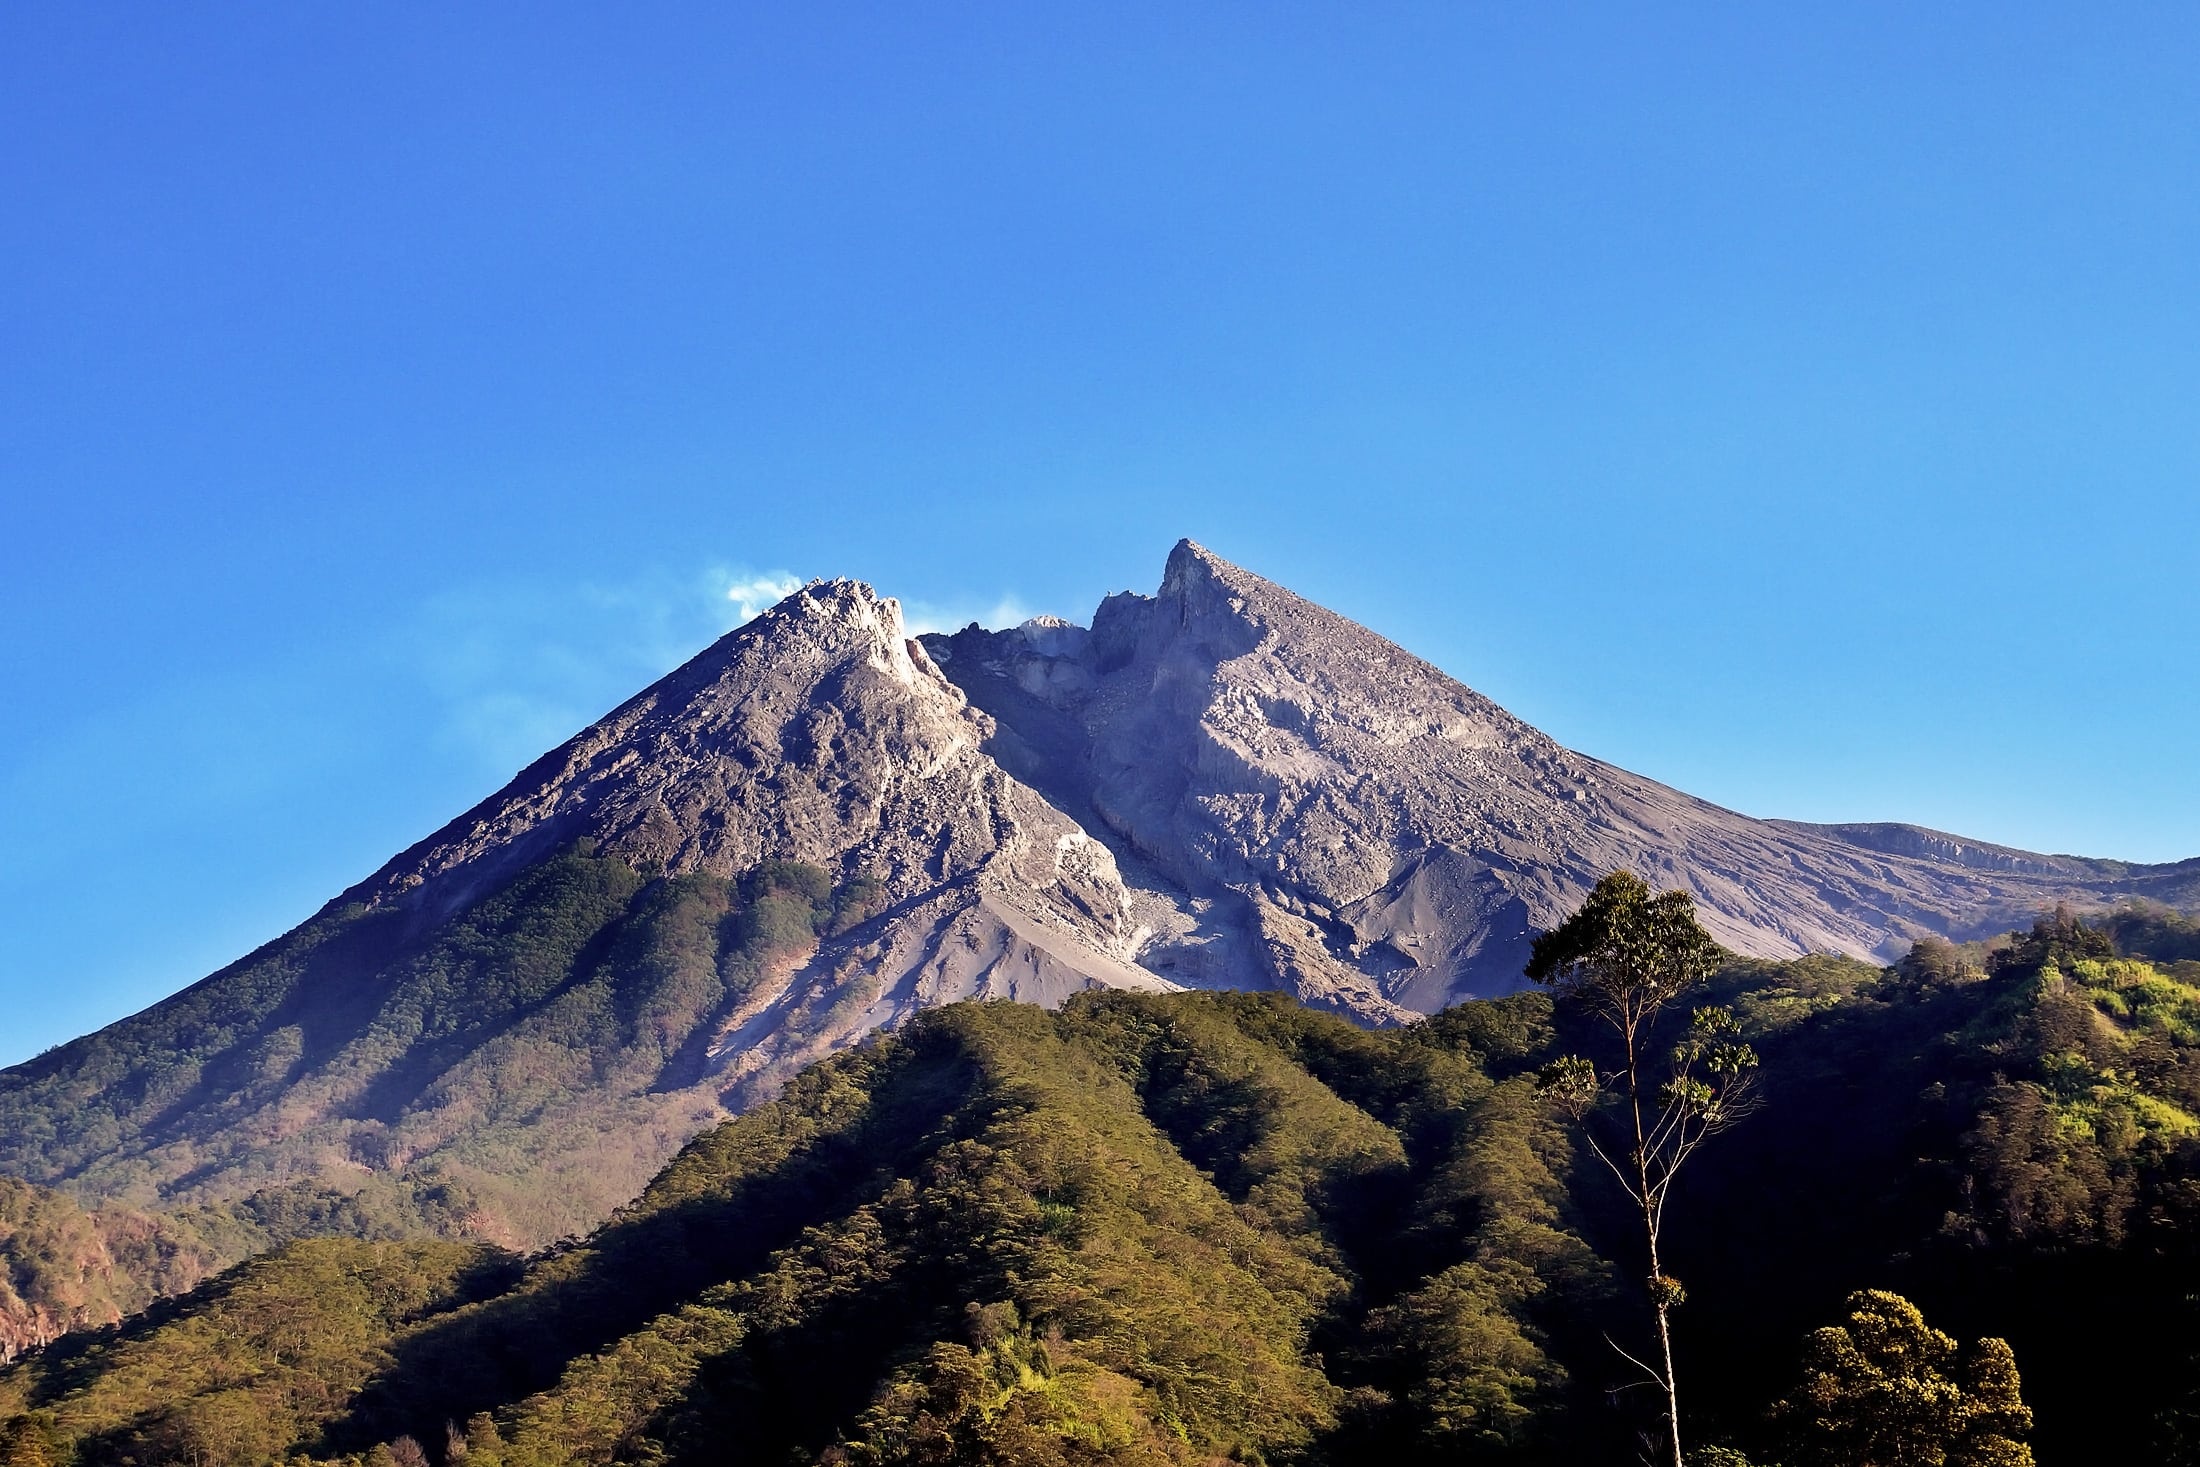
[
  {"x": 1296, "y": 798},
  {"x": 834, "y": 615},
  {"x": 516, "y": 970},
  {"x": 839, "y": 599},
  {"x": 691, "y": 773},
  {"x": 1189, "y": 558},
  {"x": 1197, "y": 576}
]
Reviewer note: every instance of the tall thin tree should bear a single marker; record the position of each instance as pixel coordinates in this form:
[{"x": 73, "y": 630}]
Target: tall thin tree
[{"x": 1627, "y": 957}]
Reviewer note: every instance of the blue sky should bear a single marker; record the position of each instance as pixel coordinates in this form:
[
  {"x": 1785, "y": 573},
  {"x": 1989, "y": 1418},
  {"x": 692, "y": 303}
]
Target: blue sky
[{"x": 1795, "y": 404}]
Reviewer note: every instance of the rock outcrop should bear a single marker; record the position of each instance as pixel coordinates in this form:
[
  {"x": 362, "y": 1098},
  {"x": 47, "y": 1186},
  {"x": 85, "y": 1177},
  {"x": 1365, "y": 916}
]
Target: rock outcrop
[{"x": 1295, "y": 800}]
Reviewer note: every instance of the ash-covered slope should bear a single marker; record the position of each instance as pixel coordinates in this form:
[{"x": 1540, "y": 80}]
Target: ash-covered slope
[
  {"x": 791, "y": 840},
  {"x": 818, "y": 733},
  {"x": 1296, "y": 800}
]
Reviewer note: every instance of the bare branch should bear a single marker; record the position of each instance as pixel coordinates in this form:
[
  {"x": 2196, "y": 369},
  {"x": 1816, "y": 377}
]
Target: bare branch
[{"x": 1654, "y": 1377}]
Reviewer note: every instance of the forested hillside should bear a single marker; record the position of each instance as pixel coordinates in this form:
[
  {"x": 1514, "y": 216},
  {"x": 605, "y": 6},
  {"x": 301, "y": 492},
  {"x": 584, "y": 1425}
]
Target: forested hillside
[
  {"x": 64, "y": 1268},
  {"x": 513, "y": 1075},
  {"x": 1155, "y": 1228}
]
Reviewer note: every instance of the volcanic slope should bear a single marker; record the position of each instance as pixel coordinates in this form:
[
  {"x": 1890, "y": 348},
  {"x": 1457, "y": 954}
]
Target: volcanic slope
[
  {"x": 788, "y": 842},
  {"x": 1297, "y": 802},
  {"x": 820, "y": 826}
]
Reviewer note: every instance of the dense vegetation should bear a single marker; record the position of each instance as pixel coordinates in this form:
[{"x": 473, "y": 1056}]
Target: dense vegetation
[
  {"x": 1132, "y": 1230},
  {"x": 513, "y": 1073},
  {"x": 1202, "y": 1226},
  {"x": 64, "y": 1267},
  {"x": 2008, "y": 1135}
]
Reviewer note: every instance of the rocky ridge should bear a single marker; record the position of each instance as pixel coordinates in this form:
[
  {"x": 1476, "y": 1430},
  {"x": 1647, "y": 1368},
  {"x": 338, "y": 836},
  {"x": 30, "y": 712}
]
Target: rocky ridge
[
  {"x": 1297, "y": 801},
  {"x": 819, "y": 732}
]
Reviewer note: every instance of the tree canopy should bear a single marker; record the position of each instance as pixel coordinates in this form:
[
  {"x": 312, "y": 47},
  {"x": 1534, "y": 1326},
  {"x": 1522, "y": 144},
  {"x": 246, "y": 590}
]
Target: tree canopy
[{"x": 1885, "y": 1389}]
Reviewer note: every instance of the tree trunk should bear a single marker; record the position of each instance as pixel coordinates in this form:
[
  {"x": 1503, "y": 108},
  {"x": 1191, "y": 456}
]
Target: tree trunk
[
  {"x": 1656, "y": 1280},
  {"x": 1672, "y": 1396}
]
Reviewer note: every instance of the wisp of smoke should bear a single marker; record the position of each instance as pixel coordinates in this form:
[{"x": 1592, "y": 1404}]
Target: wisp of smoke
[{"x": 758, "y": 593}]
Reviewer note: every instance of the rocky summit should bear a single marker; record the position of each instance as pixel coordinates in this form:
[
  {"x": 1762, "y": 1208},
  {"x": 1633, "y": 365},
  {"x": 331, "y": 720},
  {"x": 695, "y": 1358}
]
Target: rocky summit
[
  {"x": 820, "y": 825},
  {"x": 819, "y": 733},
  {"x": 1297, "y": 803}
]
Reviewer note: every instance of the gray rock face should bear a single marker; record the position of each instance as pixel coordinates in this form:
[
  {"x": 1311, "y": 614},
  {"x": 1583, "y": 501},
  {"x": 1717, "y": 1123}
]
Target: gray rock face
[
  {"x": 1296, "y": 801},
  {"x": 819, "y": 732}
]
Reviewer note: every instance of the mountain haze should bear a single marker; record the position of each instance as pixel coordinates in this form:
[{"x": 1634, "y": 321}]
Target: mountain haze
[{"x": 820, "y": 826}]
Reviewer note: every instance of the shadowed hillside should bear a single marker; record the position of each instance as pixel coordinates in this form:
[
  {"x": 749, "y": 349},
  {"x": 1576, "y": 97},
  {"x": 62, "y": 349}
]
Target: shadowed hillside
[
  {"x": 515, "y": 1075},
  {"x": 1177, "y": 1228}
]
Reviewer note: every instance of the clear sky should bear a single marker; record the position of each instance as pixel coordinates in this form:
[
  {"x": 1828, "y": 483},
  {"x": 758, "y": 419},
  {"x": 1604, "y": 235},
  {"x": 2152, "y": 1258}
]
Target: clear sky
[{"x": 1797, "y": 404}]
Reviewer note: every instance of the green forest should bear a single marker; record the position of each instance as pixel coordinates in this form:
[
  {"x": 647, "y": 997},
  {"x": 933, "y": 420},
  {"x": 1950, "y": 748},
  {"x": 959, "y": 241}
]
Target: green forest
[{"x": 1956, "y": 1218}]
